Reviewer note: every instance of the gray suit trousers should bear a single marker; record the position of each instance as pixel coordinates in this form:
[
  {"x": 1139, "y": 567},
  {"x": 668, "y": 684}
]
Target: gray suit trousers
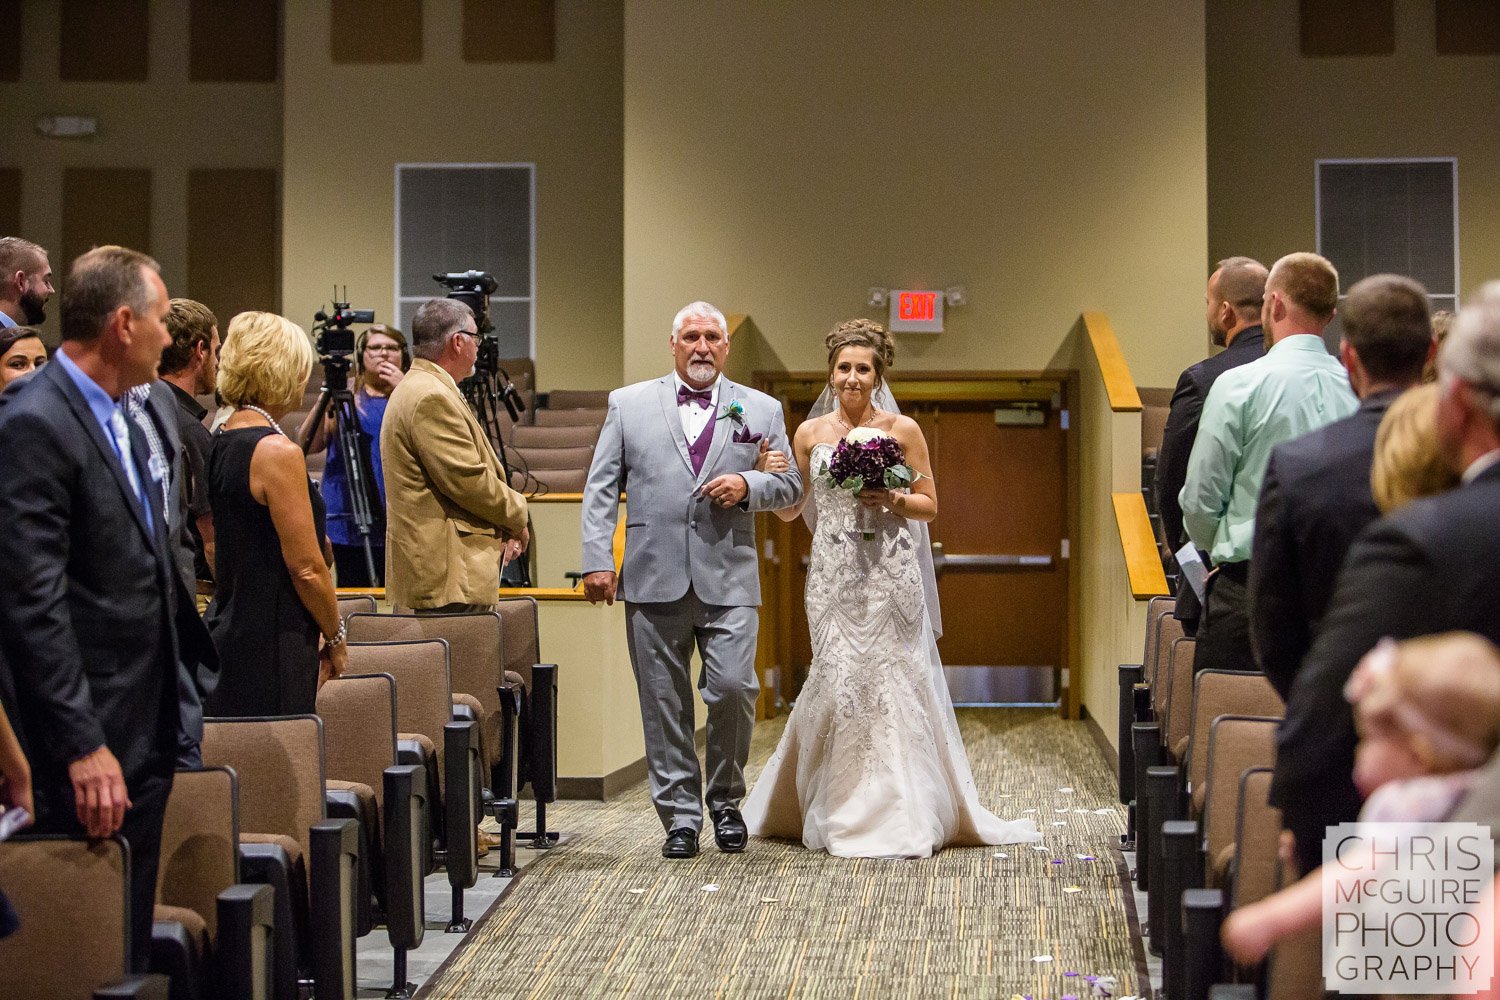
[{"x": 661, "y": 639}]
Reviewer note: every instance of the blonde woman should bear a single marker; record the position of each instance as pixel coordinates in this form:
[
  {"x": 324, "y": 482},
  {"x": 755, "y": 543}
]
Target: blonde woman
[
  {"x": 274, "y": 594},
  {"x": 1408, "y": 461}
]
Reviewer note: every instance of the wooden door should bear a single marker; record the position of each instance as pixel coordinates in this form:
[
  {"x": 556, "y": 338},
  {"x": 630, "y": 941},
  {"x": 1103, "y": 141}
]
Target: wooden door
[{"x": 1000, "y": 537}]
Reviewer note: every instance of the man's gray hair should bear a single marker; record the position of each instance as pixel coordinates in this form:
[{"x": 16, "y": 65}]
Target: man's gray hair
[
  {"x": 435, "y": 320},
  {"x": 101, "y": 281},
  {"x": 1471, "y": 352},
  {"x": 698, "y": 310},
  {"x": 17, "y": 254}
]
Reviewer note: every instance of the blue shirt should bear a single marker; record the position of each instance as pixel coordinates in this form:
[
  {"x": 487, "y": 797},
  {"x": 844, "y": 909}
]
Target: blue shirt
[
  {"x": 341, "y": 529},
  {"x": 104, "y": 409},
  {"x": 5, "y": 321}
]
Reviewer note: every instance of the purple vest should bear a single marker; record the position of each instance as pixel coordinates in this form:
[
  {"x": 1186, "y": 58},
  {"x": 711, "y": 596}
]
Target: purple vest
[{"x": 698, "y": 450}]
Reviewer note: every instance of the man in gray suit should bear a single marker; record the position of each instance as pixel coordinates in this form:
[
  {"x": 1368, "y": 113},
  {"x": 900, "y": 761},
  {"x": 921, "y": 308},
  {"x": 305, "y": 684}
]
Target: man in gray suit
[{"x": 684, "y": 447}]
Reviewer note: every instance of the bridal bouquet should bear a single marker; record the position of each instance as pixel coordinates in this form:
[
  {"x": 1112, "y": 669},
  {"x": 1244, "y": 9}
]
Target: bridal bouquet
[{"x": 868, "y": 459}]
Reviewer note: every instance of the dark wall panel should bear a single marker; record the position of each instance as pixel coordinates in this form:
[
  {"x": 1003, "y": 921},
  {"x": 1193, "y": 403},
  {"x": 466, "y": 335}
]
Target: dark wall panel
[
  {"x": 234, "y": 242},
  {"x": 376, "y": 31},
  {"x": 104, "y": 40},
  {"x": 1340, "y": 28},
  {"x": 1468, "y": 27},
  {"x": 104, "y": 206},
  {"x": 10, "y": 201},
  {"x": 510, "y": 30},
  {"x": 233, "y": 41},
  {"x": 10, "y": 40}
]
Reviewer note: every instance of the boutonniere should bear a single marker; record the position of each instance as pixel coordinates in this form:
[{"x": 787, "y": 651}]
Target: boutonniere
[{"x": 734, "y": 411}]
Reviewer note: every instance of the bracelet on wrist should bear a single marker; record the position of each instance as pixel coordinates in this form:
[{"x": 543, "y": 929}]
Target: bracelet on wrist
[{"x": 337, "y": 639}]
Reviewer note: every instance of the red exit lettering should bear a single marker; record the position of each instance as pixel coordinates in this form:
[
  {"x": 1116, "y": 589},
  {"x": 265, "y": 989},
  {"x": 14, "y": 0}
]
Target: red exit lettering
[{"x": 917, "y": 305}]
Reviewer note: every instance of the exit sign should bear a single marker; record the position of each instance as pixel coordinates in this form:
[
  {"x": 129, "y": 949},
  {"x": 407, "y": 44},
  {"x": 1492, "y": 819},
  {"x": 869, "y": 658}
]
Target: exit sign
[{"x": 916, "y": 312}]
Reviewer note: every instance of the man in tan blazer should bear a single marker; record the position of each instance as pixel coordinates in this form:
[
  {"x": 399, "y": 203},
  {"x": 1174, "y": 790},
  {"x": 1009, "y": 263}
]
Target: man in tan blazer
[{"x": 450, "y": 515}]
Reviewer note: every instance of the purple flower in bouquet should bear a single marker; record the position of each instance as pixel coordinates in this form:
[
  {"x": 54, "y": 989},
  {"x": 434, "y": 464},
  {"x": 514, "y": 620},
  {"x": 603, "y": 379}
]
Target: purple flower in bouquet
[{"x": 868, "y": 459}]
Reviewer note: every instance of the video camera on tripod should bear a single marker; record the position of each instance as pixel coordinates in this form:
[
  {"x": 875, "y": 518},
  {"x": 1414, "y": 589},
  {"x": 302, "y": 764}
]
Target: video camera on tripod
[{"x": 336, "y": 343}]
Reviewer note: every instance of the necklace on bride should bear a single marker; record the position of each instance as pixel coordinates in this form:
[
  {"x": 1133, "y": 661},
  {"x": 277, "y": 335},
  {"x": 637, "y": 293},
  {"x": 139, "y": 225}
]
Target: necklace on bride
[
  {"x": 867, "y": 422},
  {"x": 269, "y": 419}
]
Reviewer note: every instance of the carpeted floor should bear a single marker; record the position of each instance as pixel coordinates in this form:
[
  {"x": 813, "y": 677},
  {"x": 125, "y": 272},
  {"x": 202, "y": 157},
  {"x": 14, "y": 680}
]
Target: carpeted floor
[{"x": 606, "y": 916}]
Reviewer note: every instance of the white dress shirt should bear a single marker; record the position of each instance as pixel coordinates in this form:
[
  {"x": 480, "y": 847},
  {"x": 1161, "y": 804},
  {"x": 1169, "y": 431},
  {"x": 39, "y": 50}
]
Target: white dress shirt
[{"x": 695, "y": 417}]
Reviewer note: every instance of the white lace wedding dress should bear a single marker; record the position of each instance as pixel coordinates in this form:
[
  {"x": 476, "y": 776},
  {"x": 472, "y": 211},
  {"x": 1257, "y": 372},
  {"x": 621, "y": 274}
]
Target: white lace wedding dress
[{"x": 871, "y": 764}]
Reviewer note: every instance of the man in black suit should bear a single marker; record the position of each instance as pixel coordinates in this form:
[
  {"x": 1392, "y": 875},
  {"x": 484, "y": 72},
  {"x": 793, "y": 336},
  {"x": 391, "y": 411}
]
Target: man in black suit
[
  {"x": 1432, "y": 566},
  {"x": 1316, "y": 495},
  {"x": 1233, "y": 298},
  {"x": 87, "y": 594}
]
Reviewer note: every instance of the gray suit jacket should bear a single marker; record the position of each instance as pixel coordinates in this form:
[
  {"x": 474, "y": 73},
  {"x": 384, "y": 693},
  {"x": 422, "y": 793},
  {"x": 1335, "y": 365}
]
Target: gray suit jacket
[{"x": 674, "y": 539}]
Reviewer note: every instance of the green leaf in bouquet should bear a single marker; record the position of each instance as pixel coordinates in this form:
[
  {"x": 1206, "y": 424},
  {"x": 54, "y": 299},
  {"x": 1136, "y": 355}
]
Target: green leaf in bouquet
[
  {"x": 900, "y": 476},
  {"x": 853, "y": 484}
]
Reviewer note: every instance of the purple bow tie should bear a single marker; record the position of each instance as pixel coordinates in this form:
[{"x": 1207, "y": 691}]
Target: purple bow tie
[{"x": 700, "y": 397}]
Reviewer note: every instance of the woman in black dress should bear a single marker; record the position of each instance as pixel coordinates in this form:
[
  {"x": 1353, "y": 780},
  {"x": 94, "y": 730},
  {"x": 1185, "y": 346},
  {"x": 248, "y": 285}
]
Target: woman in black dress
[{"x": 273, "y": 596}]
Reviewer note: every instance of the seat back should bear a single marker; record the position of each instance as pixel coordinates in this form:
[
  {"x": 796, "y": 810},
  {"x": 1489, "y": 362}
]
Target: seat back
[
  {"x": 1236, "y": 743},
  {"x": 571, "y": 399},
  {"x": 522, "y": 644},
  {"x": 359, "y": 728},
  {"x": 1224, "y": 692},
  {"x": 279, "y": 761},
  {"x": 1175, "y": 709},
  {"x": 353, "y": 603},
  {"x": 200, "y": 843},
  {"x": 549, "y": 480},
  {"x": 475, "y": 646},
  {"x": 73, "y": 899},
  {"x": 581, "y": 416},
  {"x": 1154, "y": 609},
  {"x": 559, "y": 459},
  {"x": 554, "y": 437},
  {"x": 424, "y": 697},
  {"x": 1257, "y": 840},
  {"x": 1168, "y": 631}
]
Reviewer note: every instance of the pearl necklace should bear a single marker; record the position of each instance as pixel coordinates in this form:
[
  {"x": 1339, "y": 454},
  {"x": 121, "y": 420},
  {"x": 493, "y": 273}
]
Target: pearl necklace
[{"x": 255, "y": 409}]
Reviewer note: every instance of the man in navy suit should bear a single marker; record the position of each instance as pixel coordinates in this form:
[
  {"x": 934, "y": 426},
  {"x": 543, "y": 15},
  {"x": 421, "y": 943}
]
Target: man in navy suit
[
  {"x": 1316, "y": 495},
  {"x": 1432, "y": 566},
  {"x": 88, "y": 599}
]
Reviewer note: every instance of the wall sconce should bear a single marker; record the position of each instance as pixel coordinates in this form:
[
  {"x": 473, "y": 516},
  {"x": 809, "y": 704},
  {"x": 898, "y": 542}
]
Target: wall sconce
[
  {"x": 67, "y": 126},
  {"x": 877, "y": 297}
]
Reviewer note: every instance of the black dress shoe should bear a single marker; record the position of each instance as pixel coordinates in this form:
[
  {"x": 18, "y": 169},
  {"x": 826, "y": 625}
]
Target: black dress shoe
[
  {"x": 681, "y": 843},
  {"x": 729, "y": 830}
]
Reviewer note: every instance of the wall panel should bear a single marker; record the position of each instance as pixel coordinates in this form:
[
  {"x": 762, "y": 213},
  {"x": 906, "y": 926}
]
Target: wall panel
[
  {"x": 104, "y": 206},
  {"x": 234, "y": 242},
  {"x": 104, "y": 41}
]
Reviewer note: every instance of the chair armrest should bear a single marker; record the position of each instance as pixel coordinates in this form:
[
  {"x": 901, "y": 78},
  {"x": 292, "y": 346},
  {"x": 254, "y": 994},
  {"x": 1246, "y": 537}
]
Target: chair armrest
[
  {"x": 461, "y": 802},
  {"x": 347, "y": 803},
  {"x": 464, "y": 712},
  {"x": 244, "y": 952},
  {"x": 408, "y": 837},
  {"x": 1202, "y": 954},
  {"x": 333, "y": 880},
  {"x": 1129, "y": 677},
  {"x": 270, "y": 865},
  {"x": 147, "y": 987}
]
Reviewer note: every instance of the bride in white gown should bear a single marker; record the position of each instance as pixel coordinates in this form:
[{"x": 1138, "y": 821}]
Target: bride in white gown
[{"x": 871, "y": 764}]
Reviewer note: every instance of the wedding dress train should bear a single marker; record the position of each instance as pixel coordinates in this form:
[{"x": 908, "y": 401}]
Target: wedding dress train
[{"x": 871, "y": 763}]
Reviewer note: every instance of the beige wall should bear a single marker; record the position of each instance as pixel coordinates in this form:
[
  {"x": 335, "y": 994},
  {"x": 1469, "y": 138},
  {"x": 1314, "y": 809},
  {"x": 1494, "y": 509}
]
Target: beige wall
[
  {"x": 346, "y": 127},
  {"x": 166, "y": 125},
  {"x": 1271, "y": 113},
  {"x": 1050, "y": 157}
]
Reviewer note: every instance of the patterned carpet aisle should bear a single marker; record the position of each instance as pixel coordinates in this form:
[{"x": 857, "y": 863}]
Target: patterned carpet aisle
[{"x": 606, "y": 916}]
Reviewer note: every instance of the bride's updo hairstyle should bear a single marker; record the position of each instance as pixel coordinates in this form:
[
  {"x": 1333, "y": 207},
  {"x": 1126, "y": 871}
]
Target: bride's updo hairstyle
[{"x": 862, "y": 333}]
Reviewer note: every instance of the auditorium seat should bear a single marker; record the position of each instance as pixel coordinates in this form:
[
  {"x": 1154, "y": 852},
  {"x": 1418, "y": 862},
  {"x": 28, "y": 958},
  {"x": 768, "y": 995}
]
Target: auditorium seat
[
  {"x": 424, "y": 709},
  {"x": 578, "y": 399},
  {"x": 213, "y": 935},
  {"x": 359, "y": 723},
  {"x": 576, "y": 417},
  {"x": 1257, "y": 838},
  {"x": 552, "y": 459},
  {"x": 354, "y": 603},
  {"x": 1224, "y": 692},
  {"x": 549, "y": 480},
  {"x": 72, "y": 900},
  {"x": 287, "y": 840},
  {"x": 554, "y": 437}
]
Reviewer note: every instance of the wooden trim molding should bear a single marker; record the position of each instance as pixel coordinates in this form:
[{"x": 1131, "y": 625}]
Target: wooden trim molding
[
  {"x": 1142, "y": 560},
  {"x": 1118, "y": 384}
]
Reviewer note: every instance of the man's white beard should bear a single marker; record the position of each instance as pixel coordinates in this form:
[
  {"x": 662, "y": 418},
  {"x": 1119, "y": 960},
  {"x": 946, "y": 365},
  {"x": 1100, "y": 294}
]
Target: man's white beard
[{"x": 701, "y": 371}]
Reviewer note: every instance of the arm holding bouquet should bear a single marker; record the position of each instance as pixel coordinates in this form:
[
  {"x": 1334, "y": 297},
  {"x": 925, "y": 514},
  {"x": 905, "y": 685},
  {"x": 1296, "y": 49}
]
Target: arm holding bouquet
[{"x": 919, "y": 500}]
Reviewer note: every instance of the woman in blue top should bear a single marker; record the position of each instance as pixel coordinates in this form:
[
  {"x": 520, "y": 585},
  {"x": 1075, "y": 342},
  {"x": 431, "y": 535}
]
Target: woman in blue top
[{"x": 380, "y": 361}]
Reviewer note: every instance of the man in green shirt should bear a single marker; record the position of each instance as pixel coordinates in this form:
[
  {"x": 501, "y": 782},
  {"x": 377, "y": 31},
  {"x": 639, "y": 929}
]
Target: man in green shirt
[{"x": 1297, "y": 387}]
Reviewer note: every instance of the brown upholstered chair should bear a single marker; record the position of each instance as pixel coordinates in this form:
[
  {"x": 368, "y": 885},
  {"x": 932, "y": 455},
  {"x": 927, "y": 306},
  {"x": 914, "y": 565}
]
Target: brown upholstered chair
[
  {"x": 424, "y": 709},
  {"x": 1257, "y": 839},
  {"x": 554, "y": 437},
  {"x": 576, "y": 399},
  {"x": 553, "y": 459},
  {"x": 350, "y": 604},
  {"x": 287, "y": 840},
  {"x": 549, "y": 480},
  {"x": 553, "y": 416},
  {"x": 359, "y": 726},
  {"x": 73, "y": 900},
  {"x": 1223, "y": 692},
  {"x": 213, "y": 936}
]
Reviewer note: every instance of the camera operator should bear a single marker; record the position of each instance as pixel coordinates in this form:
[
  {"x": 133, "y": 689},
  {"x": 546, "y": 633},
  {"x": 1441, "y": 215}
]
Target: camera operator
[
  {"x": 380, "y": 362},
  {"x": 449, "y": 510}
]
